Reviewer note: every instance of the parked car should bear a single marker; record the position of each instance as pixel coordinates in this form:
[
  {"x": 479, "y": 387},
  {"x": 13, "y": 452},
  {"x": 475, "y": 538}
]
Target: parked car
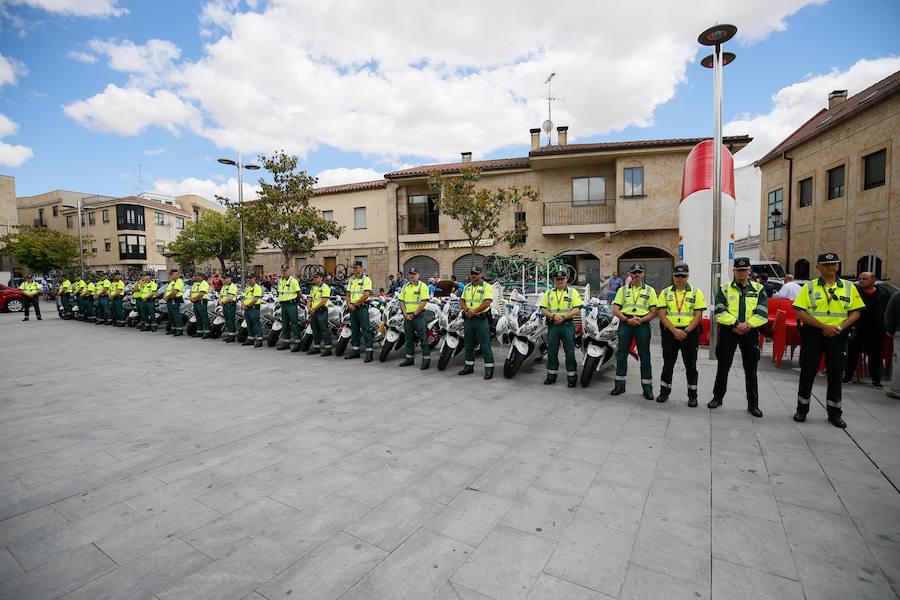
[{"x": 11, "y": 299}]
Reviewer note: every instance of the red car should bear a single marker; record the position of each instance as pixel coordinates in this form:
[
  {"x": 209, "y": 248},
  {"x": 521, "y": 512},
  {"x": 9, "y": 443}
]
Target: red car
[{"x": 11, "y": 299}]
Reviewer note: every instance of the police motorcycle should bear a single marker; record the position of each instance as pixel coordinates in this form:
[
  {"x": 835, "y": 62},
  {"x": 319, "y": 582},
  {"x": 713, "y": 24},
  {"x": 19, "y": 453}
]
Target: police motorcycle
[
  {"x": 211, "y": 305},
  {"x": 393, "y": 319},
  {"x": 129, "y": 307},
  {"x": 61, "y": 310},
  {"x": 266, "y": 316},
  {"x": 527, "y": 332},
  {"x": 216, "y": 316},
  {"x": 334, "y": 324},
  {"x": 374, "y": 306},
  {"x": 599, "y": 339},
  {"x": 450, "y": 326}
]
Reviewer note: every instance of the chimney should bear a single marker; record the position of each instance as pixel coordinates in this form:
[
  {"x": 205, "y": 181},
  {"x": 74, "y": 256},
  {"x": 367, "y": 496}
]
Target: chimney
[
  {"x": 466, "y": 157},
  {"x": 535, "y": 138},
  {"x": 562, "y": 135},
  {"x": 835, "y": 98}
]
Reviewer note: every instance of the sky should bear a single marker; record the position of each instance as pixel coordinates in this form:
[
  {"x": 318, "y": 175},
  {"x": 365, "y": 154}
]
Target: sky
[{"x": 120, "y": 96}]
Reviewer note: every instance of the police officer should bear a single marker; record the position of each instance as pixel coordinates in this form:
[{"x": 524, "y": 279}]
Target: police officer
[
  {"x": 560, "y": 305},
  {"x": 741, "y": 309},
  {"x": 101, "y": 294},
  {"x": 228, "y": 298},
  {"x": 319, "y": 301},
  {"x": 359, "y": 288},
  {"x": 414, "y": 297},
  {"x": 78, "y": 291},
  {"x": 827, "y": 307},
  {"x": 65, "y": 296},
  {"x": 137, "y": 295},
  {"x": 199, "y": 292},
  {"x": 475, "y": 303},
  {"x": 149, "y": 292},
  {"x": 90, "y": 290},
  {"x": 635, "y": 307},
  {"x": 32, "y": 292},
  {"x": 289, "y": 295},
  {"x": 679, "y": 309},
  {"x": 173, "y": 296},
  {"x": 116, "y": 293},
  {"x": 252, "y": 299}
]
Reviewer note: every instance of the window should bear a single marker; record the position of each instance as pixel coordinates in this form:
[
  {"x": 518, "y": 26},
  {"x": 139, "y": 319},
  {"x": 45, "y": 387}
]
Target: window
[
  {"x": 55, "y": 211},
  {"x": 421, "y": 214},
  {"x": 364, "y": 260},
  {"x": 328, "y": 215},
  {"x": 40, "y": 217},
  {"x": 196, "y": 214},
  {"x": 69, "y": 222},
  {"x": 160, "y": 246},
  {"x": 179, "y": 223},
  {"x": 873, "y": 169},
  {"x": 92, "y": 218},
  {"x": 105, "y": 217},
  {"x": 805, "y": 191},
  {"x": 107, "y": 244},
  {"x": 160, "y": 219},
  {"x": 870, "y": 263},
  {"x": 588, "y": 189},
  {"x": 132, "y": 246},
  {"x": 94, "y": 250},
  {"x": 775, "y": 202},
  {"x": 129, "y": 216},
  {"x": 634, "y": 182},
  {"x": 359, "y": 217},
  {"x": 520, "y": 217},
  {"x": 801, "y": 269},
  {"x": 836, "y": 182}
]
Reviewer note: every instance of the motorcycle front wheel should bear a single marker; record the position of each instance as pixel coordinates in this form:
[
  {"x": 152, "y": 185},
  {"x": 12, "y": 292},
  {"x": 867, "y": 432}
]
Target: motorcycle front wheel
[
  {"x": 306, "y": 342},
  {"x": 216, "y": 332},
  {"x": 386, "y": 348},
  {"x": 587, "y": 372},
  {"x": 341, "y": 346},
  {"x": 446, "y": 355},
  {"x": 513, "y": 364},
  {"x": 131, "y": 321},
  {"x": 191, "y": 328},
  {"x": 273, "y": 337},
  {"x": 242, "y": 335}
]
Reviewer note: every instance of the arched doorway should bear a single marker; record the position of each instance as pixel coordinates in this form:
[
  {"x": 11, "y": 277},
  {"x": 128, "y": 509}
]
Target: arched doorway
[
  {"x": 463, "y": 265},
  {"x": 869, "y": 262},
  {"x": 657, "y": 265},
  {"x": 801, "y": 269},
  {"x": 425, "y": 265},
  {"x": 586, "y": 267}
]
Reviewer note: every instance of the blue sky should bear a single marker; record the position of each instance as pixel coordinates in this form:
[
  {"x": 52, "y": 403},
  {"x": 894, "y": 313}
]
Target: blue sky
[{"x": 373, "y": 106}]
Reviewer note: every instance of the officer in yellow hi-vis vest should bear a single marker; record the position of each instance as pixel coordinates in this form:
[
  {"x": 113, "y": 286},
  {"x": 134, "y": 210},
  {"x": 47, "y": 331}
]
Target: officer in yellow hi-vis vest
[
  {"x": 228, "y": 298},
  {"x": 680, "y": 308},
  {"x": 32, "y": 292},
  {"x": 174, "y": 296},
  {"x": 560, "y": 305},
  {"x": 288, "y": 296},
  {"x": 475, "y": 303},
  {"x": 78, "y": 291},
  {"x": 635, "y": 307},
  {"x": 252, "y": 300},
  {"x": 150, "y": 289},
  {"x": 319, "y": 301},
  {"x": 413, "y": 299},
  {"x": 742, "y": 307},
  {"x": 89, "y": 304},
  {"x": 101, "y": 295},
  {"x": 65, "y": 296},
  {"x": 359, "y": 288},
  {"x": 827, "y": 307},
  {"x": 199, "y": 293},
  {"x": 116, "y": 294}
]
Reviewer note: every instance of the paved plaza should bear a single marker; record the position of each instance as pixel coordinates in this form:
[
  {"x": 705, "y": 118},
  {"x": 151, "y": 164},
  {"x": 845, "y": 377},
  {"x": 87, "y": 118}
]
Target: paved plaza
[{"x": 134, "y": 465}]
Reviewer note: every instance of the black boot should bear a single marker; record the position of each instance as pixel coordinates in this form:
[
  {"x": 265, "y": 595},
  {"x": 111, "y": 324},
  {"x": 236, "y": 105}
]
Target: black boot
[
  {"x": 247, "y": 343},
  {"x": 663, "y": 395},
  {"x": 326, "y": 352},
  {"x": 282, "y": 346},
  {"x": 312, "y": 351},
  {"x": 648, "y": 391},
  {"x": 205, "y": 336},
  {"x": 467, "y": 370},
  {"x": 25, "y": 319},
  {"x": 692, "y": 401},
  {"x": 258, "y": 344},
  {"x": 489, "y": 372},
  {"x": 571, "y": 381},
  {"x": 177, "y": 333},
  {"x": 714, "y": 403},
  {"x": 802, "y": 409},
  {"x": 369, "y": 356},
  {"x": 295, "y": 347},
  {"x": 619, "y": 389},
  {"x": 154, "y": 328},
  {"x": 550, "y": 379},
  {"x": 834, "y": 417},
  {"x": 229, "y": 340},
  {"x": 426, "y": 364},
  {"x": 170, "y": 332},
  {"x": 354, "y": 354},
  {"x": 753, "y": 409},
  {"x": 407, "y": 362}
]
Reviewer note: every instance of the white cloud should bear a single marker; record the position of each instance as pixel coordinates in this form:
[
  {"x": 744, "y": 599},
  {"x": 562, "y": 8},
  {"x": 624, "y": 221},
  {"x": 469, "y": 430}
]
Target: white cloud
[
  {"x": 747, "y": 185},
  {"x": 77, "y": 8},
  {"x": 10, "y": 70},
  {"x": 206, "y": 188},
  {"x": 85, "y": 57},
  {"x": 795, "y": 104},
  {"x": 129, "y": 111},
  {"x": 154, "y": 57},
  {"x": 12, "y": 155},
  {"x": 155, "y": 151},
  {"x": 344, "y": 175}
]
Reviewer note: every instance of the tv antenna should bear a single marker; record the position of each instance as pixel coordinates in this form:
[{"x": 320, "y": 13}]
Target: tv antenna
[
  {"x": 548, "y": 124},
  {"x": 140, "y": 179}
]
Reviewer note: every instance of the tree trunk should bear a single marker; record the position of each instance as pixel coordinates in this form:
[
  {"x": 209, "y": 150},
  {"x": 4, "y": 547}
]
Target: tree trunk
[{"x": 222, "y": 263}]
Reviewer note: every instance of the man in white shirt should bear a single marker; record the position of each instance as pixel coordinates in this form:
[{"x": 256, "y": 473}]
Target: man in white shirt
[{"x": 790, "y": 289}]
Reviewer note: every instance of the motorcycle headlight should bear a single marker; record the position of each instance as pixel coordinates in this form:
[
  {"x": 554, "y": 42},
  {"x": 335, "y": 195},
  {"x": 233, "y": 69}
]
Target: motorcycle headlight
[{"x": 608, "y": 335}]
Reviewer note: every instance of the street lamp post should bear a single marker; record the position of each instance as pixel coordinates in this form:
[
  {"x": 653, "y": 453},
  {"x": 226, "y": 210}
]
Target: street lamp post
[
  {"x": 80, "y": 237},
  {"x": 240, "y": 166},
  {"x": 716, "y": 36}
]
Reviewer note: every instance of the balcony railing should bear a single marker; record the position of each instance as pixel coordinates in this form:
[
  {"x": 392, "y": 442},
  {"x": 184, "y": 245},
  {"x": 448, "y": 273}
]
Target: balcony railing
[
  {"x": 580, "y": 213},
  {"x": 417, "y": 223}
]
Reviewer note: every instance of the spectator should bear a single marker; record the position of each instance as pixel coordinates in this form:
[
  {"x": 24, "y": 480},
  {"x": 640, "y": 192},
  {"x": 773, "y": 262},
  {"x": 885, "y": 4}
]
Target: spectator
[
  {"x": 431, "y": 286},
  {"x": 390, "y": 282},
  {"x": 869, "y": 328},
  {"x": 398, "y": 283},
  {"x": 444, "y": 287},
  {"x": 381, "y": 294},
  {"x": 790, "y": 289},
  {"x": 613, "y": 285},
  {"x": 459, "y": 285},
  {"x": 768, "y": 287},
  {"x": 892, "y": 326},
  {"x": 217, "y": 281}
]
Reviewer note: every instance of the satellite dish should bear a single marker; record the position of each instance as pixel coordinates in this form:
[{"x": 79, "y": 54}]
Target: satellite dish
[{"x": 547, "y": 126}]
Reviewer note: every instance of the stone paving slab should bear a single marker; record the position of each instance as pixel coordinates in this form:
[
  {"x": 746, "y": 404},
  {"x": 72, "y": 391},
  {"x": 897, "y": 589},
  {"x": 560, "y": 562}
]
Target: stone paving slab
[{"x": 196, "y": 469}]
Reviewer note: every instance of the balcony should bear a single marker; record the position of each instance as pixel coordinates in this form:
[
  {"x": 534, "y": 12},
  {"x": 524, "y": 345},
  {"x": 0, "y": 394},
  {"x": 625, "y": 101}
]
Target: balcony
[
  {"x": 420, "y": 227},
  {"x": 40, "y": 223},
  {"x": 596, "y": 216}
]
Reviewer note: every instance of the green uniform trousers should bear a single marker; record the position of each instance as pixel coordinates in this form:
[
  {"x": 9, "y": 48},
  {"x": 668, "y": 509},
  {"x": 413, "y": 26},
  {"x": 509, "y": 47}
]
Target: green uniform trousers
[
  {"x": 150, "y": 312},
  {"x": 90, "y": 307},
  {"x": 173, "y": 308},
  {"x": 254, "y": 327},
  {"x": 67, "y": 305},
  {"x": 320, "y": 332},
  {"x": 477, "y": 329},
  {"x": 416, "y": 329},
  {"x": 290, "y": 324},
  {"x": 118, "y": 310},
  {"x": 103, "y": 308},
  {"x": 641, "y": 337},
  {"x": 229, "y": 311},
  {"x": 202, "y": 314},
  {"x": 565, "y": 333},
  {"x": 359, "y": 328}
]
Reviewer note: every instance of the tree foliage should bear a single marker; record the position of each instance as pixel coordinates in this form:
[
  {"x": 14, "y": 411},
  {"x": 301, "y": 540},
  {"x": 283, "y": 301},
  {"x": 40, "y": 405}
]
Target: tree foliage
[
  {"x": 479, "y": 209},
  {"x": 42, "y": 249},
  {"x": 213, "y": 236},
  {"x": 282, "y": 214}
]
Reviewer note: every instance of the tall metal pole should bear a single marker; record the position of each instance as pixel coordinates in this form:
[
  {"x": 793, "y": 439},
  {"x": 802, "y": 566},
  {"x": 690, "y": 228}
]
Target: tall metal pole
[
  {"x": 80, "y": 240},
  {"x": 240, "y": 168},
  {"x": 716, "y": 265}
]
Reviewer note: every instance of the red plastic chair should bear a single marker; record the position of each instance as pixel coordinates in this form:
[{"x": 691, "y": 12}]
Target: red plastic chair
[{"x": 887, "y": 351}]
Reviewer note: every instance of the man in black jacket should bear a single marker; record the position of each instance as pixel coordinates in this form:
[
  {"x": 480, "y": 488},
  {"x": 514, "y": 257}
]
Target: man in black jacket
[{"x": 869, "y": 336}]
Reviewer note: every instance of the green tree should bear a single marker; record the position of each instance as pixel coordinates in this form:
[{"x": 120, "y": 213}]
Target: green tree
[
  {"x": 213, "y": 236},
  {"x": 42, "y": 249},
  {"x": 479, "y": 209},
  {"x": 282, "y": 214}
]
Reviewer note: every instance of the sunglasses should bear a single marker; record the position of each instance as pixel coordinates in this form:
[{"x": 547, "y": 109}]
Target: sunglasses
[
  {"x": 637, "y": 272},
  {"x": 680, "y": 275}
]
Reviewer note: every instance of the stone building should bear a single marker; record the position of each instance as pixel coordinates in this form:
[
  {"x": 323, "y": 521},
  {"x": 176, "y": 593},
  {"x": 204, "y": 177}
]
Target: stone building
[
  {"x": 8, "y": 220},
  {"x": 832, "y": 185}
]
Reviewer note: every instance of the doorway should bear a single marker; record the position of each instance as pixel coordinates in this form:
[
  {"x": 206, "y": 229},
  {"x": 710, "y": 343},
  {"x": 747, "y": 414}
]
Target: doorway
[{"x": 657, "y": 265}]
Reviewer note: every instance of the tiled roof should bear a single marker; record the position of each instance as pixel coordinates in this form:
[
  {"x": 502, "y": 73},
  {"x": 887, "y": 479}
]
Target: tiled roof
[
  {"x": 350, "y": 187},
  {"x": 498, "y": 164},
  {"x": 825, "y": 119},
  {"x": 743, "y": 140}
]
